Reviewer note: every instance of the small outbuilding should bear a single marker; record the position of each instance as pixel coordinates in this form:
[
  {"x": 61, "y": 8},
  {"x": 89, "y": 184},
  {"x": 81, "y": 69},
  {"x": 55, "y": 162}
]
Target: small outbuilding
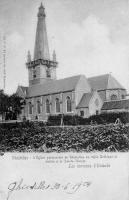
[{"x": 90, "y": 104}]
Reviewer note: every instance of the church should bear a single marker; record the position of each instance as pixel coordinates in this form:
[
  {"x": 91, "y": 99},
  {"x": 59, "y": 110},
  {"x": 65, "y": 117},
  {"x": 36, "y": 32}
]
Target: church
[{"x": 77, "y": 95}]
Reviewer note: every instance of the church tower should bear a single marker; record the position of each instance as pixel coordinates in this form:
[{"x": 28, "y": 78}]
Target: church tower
[{"x": 41, "y": 68}]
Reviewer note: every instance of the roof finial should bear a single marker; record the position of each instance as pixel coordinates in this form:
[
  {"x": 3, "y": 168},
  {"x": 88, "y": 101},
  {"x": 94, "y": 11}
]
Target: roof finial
[
  {"x": 29, "y": 57},
  {"x": 41, "y": 12},
  {"x": 41, "y": 5},
  {"x": 54, "y": 56}
]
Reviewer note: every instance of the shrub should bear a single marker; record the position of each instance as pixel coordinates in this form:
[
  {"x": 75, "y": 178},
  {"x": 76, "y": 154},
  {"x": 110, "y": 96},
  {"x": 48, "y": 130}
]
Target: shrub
[
  {"x": 55, "y": 120},
  {"x": 103, "y": 118}
]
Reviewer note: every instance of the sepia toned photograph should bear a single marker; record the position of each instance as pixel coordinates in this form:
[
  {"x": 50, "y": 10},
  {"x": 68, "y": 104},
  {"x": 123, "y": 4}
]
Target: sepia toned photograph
[{"x": 64, "y": 76}]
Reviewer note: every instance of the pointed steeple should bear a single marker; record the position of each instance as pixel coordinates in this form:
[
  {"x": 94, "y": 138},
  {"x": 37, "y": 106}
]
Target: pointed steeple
[
  {"x": 41, "y": 68},
  {"x": 28, "y": 57},
  {"x": 54, "y": 56},
  {"x": 41, "y": 50}
]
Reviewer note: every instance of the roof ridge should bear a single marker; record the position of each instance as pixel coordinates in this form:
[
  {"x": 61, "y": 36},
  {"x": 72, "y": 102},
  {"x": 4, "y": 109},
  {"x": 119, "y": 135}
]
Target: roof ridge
[
  {"x": 116, "y": 100},
  {"x": 21, "y": 86},
  {"x": 71, "y": 76},
  {"x": 109, "y": 76},
  {"x": 98, "y": 75}
]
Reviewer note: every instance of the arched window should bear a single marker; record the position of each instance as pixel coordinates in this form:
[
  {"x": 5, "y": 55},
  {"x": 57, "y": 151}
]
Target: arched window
[
  {"x": 30, "y": 108},
  {"x": 47, "y": 106},
  {"x": 48, "y": 72},
  {"x": 113, "y": 97},
  {"x": 123, "y": 96},
  {"x": 38, "y": 107},
  {"x": 57, "y": 105},
  {"x": 68, "y": 104}
]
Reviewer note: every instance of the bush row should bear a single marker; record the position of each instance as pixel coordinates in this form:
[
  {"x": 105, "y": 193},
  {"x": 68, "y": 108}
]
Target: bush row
[
  {"x": 104, "y": 118},
  {"x": 73, "y": 120},
  {"x": 35, "y": 138}
]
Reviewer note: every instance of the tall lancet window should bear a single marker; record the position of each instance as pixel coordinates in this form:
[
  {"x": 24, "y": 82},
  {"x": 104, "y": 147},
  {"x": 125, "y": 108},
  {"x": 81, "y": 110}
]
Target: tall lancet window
[
  {"x": 48, "y": 72},
  {"x": 57, "y": 105},
  {"x": 68, "y": 104},
  {"x": 47, "y": 106},
  {"x": 34, "y": 73},
  {"x": 38, "y": 107},
  {"x": 30, "y": 108}
]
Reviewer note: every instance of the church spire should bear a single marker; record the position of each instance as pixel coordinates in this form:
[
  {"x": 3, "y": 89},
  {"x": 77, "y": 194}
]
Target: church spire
[
  {"x": 41, "y": 50},
  {"x": 41, "y": 68}
]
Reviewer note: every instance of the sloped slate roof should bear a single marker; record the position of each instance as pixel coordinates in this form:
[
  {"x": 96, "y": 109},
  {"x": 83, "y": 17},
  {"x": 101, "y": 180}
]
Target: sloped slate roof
[
  {"x": 103, "y": 82},
  {"x": 118, "y": 104},
  {"x": 84, "y": 102},
  {"x": 53, "y": 86}
]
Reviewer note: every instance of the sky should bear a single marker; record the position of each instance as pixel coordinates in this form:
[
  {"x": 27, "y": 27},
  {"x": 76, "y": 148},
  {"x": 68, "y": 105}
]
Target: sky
[{"x": 90, "y": 37}]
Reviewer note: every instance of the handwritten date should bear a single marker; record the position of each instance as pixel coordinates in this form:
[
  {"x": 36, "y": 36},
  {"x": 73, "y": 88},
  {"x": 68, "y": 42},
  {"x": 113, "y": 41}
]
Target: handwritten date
[{"x": 69, "y": 187}]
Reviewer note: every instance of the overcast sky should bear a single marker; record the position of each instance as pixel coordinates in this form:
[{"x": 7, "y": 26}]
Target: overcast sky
[{"x": 91, "y": 37}]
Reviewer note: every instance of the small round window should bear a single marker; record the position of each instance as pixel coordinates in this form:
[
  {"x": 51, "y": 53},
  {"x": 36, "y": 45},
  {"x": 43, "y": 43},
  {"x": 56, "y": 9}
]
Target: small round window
[{"x": 113, "y": 97}]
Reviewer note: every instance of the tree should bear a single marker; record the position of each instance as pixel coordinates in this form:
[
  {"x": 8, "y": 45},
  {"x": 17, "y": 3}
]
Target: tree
[
  {"x": 4, "y": 101},
  {"x": 16, "y": 104},
  {"x": 10, "y": 106}
]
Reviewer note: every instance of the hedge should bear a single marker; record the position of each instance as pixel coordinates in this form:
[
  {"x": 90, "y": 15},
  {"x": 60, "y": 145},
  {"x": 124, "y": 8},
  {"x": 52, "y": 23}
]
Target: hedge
[
  {"x": 38, "y": 138},
  {"x": 67, "y": 120},
  {"x": 103, "y": 118}
]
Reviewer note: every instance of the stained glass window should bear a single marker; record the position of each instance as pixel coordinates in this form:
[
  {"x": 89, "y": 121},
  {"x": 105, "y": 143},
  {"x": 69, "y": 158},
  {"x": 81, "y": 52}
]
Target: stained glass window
[
  {"x": 47, "y": 106},
  {"x": 30, "y": 108},
  {"x": 48, "y": 72},
  {"x": 38, "y": 107},
  {"x": 57, "y": 105},
  {"x": 69, "y": 104}
]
